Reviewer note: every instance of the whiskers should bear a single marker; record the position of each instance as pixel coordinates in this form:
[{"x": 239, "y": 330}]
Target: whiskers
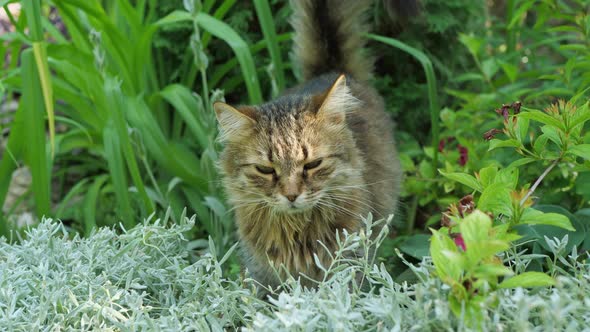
[
  {"x": 248, "y": 201},
  {"x": 350, "y": 200}
]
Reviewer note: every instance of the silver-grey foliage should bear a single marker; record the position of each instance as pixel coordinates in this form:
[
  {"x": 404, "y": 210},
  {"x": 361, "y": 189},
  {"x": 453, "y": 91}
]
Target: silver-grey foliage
[{"x": 142, "y": 280}]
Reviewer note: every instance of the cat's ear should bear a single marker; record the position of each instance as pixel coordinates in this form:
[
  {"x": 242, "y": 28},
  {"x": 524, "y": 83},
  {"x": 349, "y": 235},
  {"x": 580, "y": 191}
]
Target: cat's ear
[
  {"x": 336, "y": 101},
  {"x": 234, "y": 120}
]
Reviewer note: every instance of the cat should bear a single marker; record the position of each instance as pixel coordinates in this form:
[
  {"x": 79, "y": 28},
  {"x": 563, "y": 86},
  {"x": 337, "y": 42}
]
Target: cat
[{"x": 313, "y": 161}]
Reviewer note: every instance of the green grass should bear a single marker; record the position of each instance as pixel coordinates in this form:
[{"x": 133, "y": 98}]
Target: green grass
[{"x": 144, "y": 134}]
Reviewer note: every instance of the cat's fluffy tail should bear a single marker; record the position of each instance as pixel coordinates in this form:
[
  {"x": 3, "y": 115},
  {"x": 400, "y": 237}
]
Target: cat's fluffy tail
[{"x": 329, "y": 37}]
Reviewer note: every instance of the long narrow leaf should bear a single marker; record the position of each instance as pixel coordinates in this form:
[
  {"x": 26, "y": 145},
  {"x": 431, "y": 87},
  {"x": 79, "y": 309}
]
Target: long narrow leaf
[
  {"x": 35, "y": 151},
  {"x": 224, "y": 32},
  {"x": 33, "y": 11},
  {"x": 112, "y": 149},
  {"x": 77, "y": 190},
  {"x": 218, "y": 14},
  {"x": 184, "y": 102},
  {"x": 13, "y": 151},
  {"x": 175, "y": 159},
  {"x": 431, "y": 82},
  {"x": 220, "y": 71},
  {"x": 89, "y": 204},
  {"x": 118, "y": 107},
  {"x": 268, "y": 29}
]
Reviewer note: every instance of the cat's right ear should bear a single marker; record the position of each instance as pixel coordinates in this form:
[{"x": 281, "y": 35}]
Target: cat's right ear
[{"x": 234, "y": 121}]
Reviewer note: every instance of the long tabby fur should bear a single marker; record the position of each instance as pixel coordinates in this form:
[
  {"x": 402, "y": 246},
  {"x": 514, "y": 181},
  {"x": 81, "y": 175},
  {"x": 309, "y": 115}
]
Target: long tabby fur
[{"x": 313, "y": 161}]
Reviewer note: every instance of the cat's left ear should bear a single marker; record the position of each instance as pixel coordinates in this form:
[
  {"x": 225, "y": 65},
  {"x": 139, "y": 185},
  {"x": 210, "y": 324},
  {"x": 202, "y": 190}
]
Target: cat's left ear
[
  {"x": 234, "y": 121},
  {"x": 336, "y": 101}
]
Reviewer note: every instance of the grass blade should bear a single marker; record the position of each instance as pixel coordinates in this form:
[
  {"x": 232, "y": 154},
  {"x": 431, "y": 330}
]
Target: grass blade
[
  {"x": 118, "y": 107},
  {"x": 430, "y": 81},
  {"x": 33, "y": 10},
  {"x": 176, "y": 159},
  {"x": 224, "y": 32},
  {"x": 218, "y": 14},
  {"x": 35, "y": 149},
  {"x": 186, "y": 104},
  {"x": 14, "y": 149},
  {"x": 112, "y": 150},
  {"x": 89, "y": 204},
  {"x": 77, "y": 190},
  {"x": 269, "y": 31}
]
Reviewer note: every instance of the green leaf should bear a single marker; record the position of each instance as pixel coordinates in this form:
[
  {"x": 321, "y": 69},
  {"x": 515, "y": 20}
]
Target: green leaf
[
  {"x": 518, "y": 14},
  {"x": 178, "y": 160},
  {"x": 176, "y": 16},
  {"x": 215, "y": 205},
  {"x": 508, "y": 176},
  {"x": 426, "y": 169},
  {"x": 472, "y": 43},
  {"x": 542, "y": 117},
  {"x": 265, "y": 18},
  {"x": 496, "y": 198},
  {"x": 79, "y": 189},
  {"x": 90, "y": 202},
  {"x": 468, "y": 77},
  {"x": 510, "y": 70},
  {"x": 539, "y": 232},
  {"x": 486, "y": 249},
  {"x": 430, "y": 82},
  {"x": 224, "y": 32},
  {"x": 584, "y": 217},
  {"x": 540, "y": 143},
  {"x": 118, "y": 106},
  {"x": 487, "y": 175},
  {"x": 581, "y": 150},
  {"x": 492, "y": 270},
  {"x": 520, "y": 162},
  {"x": 523, "y": 127},
  {"x": 113, "y": 154},
  {"x": 416, "y": 246},
  {"x": 35, "y": 149},
  {"x": 440, "y": 247},
  {"x": 466, "y": 179},
  {"x": 536, "y": 217},
  {"x": 581, "y": 115},
  {"x": 448, "y": 117},
  {"x": 40, "y": 51},
  {"x": 14, "y": 150},
  {"x": 509, "y": 143},
  {"x": 527, "y": 280},
  {"x": 475, "y": 229},
  {"x": 489, "y": 67},
  {"x": 187, "y": 106},
  {"x": 552, "y": 134}
]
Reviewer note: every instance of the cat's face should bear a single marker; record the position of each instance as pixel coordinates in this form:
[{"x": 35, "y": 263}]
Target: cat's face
[{"x": 291, "y": 155}]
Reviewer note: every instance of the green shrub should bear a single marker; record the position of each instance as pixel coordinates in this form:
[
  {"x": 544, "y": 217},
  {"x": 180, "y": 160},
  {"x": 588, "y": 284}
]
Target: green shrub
[{"x": 143, "y": 279}]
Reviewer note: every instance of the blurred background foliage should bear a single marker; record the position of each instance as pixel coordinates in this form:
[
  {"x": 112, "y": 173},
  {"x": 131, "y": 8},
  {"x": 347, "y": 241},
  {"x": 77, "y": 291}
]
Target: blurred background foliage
[{"x": 129, "y": 131}]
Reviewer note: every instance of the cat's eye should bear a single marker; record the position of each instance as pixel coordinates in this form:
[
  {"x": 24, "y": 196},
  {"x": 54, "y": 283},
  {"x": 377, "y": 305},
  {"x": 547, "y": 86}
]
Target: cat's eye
[
  {"x": 265, "y": 169},
  {"x": 312, "y": 165}
]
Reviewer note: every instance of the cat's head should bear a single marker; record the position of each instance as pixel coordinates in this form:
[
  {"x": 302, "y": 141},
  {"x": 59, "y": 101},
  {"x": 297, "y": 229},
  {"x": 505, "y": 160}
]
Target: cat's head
[{"x": 293, "y": 154}]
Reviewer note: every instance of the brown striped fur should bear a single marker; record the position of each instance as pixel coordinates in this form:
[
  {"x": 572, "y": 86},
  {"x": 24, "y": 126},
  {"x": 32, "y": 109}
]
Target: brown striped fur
[{"x": 283, "y": 206}]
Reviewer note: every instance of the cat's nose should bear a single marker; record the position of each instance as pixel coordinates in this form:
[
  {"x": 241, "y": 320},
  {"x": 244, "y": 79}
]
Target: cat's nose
[{"x": 291, "y": 198}]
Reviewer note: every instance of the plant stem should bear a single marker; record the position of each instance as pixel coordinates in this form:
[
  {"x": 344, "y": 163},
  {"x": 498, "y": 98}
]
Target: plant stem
[
  {"x": 412, "y": 215},
  {"x": 536, "y": 184},
  {"x": 510, "y": 33}
]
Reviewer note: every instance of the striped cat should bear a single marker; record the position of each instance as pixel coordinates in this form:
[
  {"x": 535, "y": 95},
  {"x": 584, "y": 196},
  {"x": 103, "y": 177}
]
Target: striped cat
[{"x": 300, "y": 167}]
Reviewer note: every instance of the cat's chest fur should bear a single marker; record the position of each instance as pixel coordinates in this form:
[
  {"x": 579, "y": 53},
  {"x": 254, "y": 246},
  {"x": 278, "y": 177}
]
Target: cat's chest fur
[{"x": 291, "y": 241}]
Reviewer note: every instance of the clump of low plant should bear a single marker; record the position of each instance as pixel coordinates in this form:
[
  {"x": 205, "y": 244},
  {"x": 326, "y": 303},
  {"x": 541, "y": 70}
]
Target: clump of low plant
[{"x": 144, "y": 278}]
